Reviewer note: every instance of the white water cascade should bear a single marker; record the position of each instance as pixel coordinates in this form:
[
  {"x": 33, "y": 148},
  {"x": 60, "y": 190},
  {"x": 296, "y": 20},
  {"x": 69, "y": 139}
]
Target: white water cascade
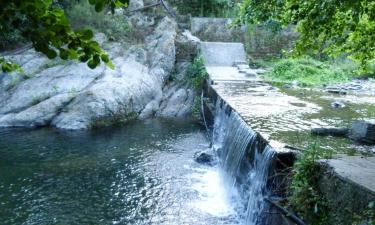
[{"x": 245, "y": 159}]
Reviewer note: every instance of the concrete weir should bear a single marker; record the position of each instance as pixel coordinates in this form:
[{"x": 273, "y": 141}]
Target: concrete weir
[{"x": 236, "y": 88}]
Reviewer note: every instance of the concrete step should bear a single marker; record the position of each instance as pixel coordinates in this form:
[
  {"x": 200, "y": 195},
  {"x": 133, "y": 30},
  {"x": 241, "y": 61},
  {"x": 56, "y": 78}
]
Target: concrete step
[{"x": 222, "y": 53}]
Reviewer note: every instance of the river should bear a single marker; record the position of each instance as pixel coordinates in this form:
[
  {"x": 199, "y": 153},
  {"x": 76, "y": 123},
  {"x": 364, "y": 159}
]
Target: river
[{"x": 140, "y": 173}]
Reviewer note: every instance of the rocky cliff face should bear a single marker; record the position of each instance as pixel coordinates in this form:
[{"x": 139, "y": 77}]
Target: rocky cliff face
[{"x": 69, "y": 95}]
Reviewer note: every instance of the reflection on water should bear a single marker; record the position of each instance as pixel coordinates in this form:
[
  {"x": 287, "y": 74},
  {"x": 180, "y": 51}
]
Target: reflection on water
[{"x": 142, "y": 173}]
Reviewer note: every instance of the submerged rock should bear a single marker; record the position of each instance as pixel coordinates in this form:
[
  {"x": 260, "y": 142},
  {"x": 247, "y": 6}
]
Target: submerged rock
[
  {"x": 204, "y": 158},
  {"x": 337, "y": 105}
]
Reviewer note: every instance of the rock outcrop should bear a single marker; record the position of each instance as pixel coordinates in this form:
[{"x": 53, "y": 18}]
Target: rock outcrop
[{"x": 69, "y": 95}]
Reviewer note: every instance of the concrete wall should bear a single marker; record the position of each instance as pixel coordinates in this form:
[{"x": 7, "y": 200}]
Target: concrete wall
[
  {"x": 345, "y": 198},
  {"x": 216, "y": 29},
  {"x": 261, "y": 41}
]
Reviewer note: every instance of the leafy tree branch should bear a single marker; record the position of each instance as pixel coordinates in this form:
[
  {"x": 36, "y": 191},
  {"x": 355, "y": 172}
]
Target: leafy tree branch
[
  {"x": 332, "y": 27},
  {"x": 50, "y": 32}
]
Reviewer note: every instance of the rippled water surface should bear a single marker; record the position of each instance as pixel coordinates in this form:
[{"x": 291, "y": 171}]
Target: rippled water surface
[{"x": 142, "y": 173}]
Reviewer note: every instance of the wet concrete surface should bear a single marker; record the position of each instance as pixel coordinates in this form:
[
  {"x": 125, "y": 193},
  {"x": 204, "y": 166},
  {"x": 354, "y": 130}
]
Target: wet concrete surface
[
  {"x": 285, "y": 116},
  {"x": 357, "y": 169}
]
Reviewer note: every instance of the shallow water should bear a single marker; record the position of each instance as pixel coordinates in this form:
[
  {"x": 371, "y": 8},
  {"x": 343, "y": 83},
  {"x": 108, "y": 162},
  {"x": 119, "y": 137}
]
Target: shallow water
[
  {"x": 287, "y": 115},
  {"x": 142, "y": 173}
]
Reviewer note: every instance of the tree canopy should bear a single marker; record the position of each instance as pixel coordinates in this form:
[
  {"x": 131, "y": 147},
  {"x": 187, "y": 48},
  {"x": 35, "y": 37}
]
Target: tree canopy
[
  {"x": 49, "y": 30},
  {"x": 332, "y": 27}
]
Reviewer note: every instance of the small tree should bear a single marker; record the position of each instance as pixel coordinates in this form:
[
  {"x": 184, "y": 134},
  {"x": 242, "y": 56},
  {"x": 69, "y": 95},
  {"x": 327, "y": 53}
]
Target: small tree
[
  {"x": 330, "y": 26},
  {"x": 49, "y": 30}
]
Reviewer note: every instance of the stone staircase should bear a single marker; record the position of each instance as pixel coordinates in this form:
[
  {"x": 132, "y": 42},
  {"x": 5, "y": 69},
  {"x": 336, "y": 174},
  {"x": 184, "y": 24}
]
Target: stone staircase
[{"x": 226, "y": 62}]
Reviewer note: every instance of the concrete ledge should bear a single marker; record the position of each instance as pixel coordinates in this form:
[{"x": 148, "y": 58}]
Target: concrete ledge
[{"x": 348, "y": 185}]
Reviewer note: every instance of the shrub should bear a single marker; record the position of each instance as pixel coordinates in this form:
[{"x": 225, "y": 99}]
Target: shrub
[
  {"x": 196, "y": 73},
  {"x": 308, "y": 71},
  {"x": 269, "y": 39},
  {"x": 207, "y": 8},
  {"x": 115, "y": 26},
  {"x": 11, "y": 40},
  {"x": 305, "y": 196}
]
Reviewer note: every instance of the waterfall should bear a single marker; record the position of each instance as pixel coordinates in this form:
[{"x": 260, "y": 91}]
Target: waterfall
[
  {"x": 245, "y": 159},
  {"x": 257, "y": 180}
]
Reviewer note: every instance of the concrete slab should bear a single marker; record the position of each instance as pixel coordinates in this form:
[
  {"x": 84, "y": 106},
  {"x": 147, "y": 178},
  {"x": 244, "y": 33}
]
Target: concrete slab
[
  {"x": 227, "y": 73},
  {"x": 357, "y": 169},
  {"x": 222, "y": 53}
]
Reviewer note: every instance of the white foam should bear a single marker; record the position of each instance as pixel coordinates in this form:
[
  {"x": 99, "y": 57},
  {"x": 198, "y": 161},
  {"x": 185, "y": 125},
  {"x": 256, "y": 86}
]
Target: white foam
[{"x": 213, "y": 195}]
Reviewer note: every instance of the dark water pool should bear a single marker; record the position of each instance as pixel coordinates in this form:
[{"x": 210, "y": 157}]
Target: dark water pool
[{"x": 142, "y": 173}]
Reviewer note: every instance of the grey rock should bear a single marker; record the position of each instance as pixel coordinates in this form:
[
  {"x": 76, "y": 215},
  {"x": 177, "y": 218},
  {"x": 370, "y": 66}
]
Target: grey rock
[
  {"x": 38, "y": 115},
  {"x": 330, "y": 131},
  {"x": 135, "y": 4},
  {"x": 177, "y": 101},
  {"x": 100, "y": 38},
  {"x": 69, "y": 95},
  {"x": 336, "y": 91},
  {"x": 187, "y": 46},
  {"x": 337, "y": 105},
  {"x": 204, "y": 158},
  {"x": 120, "y": 92},
  {"x": 363, "y": 131},
  {"x": 161, "y": 49}
]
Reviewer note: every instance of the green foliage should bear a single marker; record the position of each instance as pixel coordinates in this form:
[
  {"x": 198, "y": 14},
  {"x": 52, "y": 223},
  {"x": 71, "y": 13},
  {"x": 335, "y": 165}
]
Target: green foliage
[
  {"x": 207, "y": 8},
  {"x": 305, "y": 196},
  {"x": 309, "y": 72},
  {"x": 269, "y": 39},
  {"x": 10, "y": 40},
  {"x": 7, "y": 66},
  {"x": 367, "y": 216},
  {"x": 196, "y": 73},
  {"x": 196, "y": 108},
  {"x": 113, "y": 25},
  {"x": 331, "y": 27},
  {"x": 50, "y": 32}
]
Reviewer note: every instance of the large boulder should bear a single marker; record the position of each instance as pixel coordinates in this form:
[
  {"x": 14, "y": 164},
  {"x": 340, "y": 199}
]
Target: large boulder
[
  {"x": 161, "y": 49},
  {"x": 69, "y": 95},
  {"x": 118, "y": 94},
  {"x": 178, "y": 96},
  {"x": 187, "y": 46}
]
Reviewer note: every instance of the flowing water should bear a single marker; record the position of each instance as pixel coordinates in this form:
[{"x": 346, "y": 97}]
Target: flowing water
[
  {"x": 142, "y": 173},
  {"x": 246, "y": 162}
]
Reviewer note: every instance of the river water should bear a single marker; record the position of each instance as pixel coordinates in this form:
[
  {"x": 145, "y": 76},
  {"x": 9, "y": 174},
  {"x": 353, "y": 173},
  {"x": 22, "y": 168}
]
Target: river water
[{"x": 141, "y": 173}]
